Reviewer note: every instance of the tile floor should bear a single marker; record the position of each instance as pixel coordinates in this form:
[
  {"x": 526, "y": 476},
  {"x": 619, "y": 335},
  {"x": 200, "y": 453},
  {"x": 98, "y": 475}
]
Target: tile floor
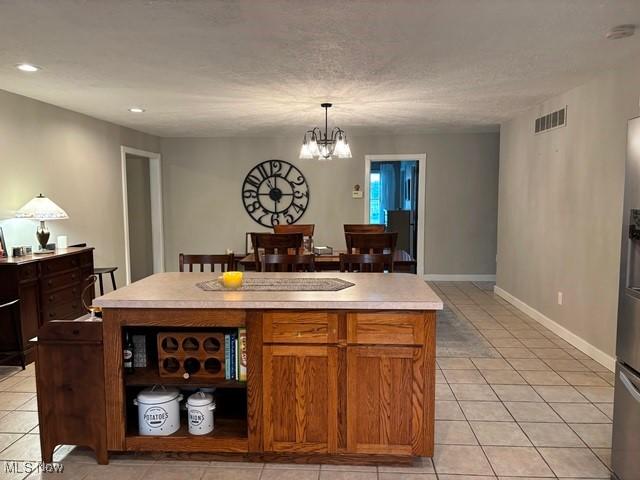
[{"x": 526, "y": 404}]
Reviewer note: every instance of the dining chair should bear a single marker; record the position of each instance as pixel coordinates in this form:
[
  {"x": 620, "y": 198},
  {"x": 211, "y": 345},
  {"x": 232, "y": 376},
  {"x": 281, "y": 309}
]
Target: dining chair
[
  {"x": 288, "y": 263},
  {"x": 305, "y": 229},
  {"x": 366, "y": 262},
  {"x": 363, "y": 228},
  {"x": 371, "y": 242},
  {"x": 11, "y": 311},
  {"x": 275, "y": 243},
  {"x": 226, "y": 262}
]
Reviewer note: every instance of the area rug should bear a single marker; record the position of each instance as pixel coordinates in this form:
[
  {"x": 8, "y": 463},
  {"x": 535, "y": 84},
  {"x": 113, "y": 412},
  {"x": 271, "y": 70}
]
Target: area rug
[{"x": 457, "y": 337}]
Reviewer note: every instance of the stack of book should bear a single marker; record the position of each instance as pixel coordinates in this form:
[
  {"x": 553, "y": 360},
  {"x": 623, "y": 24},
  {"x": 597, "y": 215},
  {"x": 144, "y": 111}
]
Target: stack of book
[{"x": 235, "y": 355}]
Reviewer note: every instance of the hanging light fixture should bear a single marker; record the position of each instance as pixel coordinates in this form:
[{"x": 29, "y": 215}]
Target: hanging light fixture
[{"x": 317, "y": 144}]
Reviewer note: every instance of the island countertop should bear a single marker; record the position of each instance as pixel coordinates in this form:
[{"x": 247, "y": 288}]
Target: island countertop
[{"x": 371, "y": 291}]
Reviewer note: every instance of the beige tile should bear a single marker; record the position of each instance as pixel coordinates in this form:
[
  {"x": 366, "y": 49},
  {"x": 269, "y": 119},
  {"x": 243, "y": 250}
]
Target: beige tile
[
  {"x": 606, "y": 408},
  {"x": 450, "y": 432},
  {"x": 500, "y": 433},
  {"x": 536, "y": 377},
  {"x": 595, "y": 435},
  {"x": 583, "y": 379},
  {"x": 566, "y": 365},
  {"x": 179, "y": 472},
  {"x": 604, "y": 454},
  {"x": 348, "y": 468},
  {"x": 516, "y": 393},
  {"x": 26, "y": 448},
  {"x": 420, "y": 465},
  {"x": 443, "y": 392},
  {"x": 448, "y": 410},
  {"x": 440, "y": 377},
  {"x": 466, "y": 477},
  {"x": 486, "y": 411},
  {"x": 232, "y": 465},
  {"x": 12, "y": 400},
  {"x": 495, "y": 334},
  {"x": 463, "y": 376},
  {"x": 7, "y": 383},
  {"x": 30, "y": 405},
  {"x": 283, "y": 474},
  {"x": 292, "y": 466},
  {"x": 551, "y": 435},
  {"x": 26, "y": 384},
  {"x": 551, "y": 353},
  {"x": 18, "y": 422},
  {"x": 538, "y": 343},
  {"x": 405, "y": 476},
  {"x": 528, "y": 364},
  {"x": 608, "y": 377},
  {"x": 515, "y": 352},
  {"x": 350, "y": 475},
  {"x": 491, "y": 364},
  {"x": 594, "y": 366},
  {"x": 574, "y": 462},
  {"x": 506, "y": 342},
  {"x": 502, "y": 377},
  {"x": 7, "y": 439},
  {"x": 121, "y": 472},
  {"x": 579, "y": 413},
  {"x": 452, "y": 363},
  {"x": 517, "y": 461},
  {"x": 532, "y": 412},
  {"x": 559, "y": 393},
  {"x": 464, "y": 391},
  {"x": 72, "y": 471},
  {"x": 597, "y": 394},
  {"x": 462, "y": 460}
]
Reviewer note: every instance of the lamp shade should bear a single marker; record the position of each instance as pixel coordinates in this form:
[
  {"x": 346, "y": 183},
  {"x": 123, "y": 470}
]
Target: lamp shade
[{"x": 41, "y": 208}]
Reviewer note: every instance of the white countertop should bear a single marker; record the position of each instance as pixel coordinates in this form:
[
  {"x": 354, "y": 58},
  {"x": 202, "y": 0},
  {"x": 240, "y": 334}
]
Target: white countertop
[{"x": 372, "y": 291}]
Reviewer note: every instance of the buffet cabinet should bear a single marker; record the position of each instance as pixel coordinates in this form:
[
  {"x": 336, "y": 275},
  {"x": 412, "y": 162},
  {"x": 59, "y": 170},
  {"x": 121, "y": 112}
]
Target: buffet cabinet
[
  {"x": 322, "y": 386},
  {"x": 49, "y": 287}
]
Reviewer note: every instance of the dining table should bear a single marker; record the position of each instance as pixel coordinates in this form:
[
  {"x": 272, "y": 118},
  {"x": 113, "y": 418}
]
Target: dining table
[{"x": 403, "y": 262}]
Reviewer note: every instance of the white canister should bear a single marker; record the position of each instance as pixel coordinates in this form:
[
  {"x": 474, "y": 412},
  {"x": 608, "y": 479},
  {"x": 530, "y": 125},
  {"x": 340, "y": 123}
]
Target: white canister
[
  {"x": 200, "y": 407},
  {"x": 158, "y": 410}
]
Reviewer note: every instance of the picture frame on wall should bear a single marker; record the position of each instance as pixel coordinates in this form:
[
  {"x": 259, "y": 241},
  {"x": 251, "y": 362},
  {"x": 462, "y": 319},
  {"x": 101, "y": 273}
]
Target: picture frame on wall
[{"x": 3, "y": 245}]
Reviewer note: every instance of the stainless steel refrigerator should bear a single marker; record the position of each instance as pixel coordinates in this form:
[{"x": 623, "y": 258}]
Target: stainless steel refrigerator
[{"x": 626, "y": 411}]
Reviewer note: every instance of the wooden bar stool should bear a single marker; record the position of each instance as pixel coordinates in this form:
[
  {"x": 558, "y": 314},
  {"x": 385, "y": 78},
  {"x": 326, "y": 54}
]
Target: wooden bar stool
[{"x": 99, "y": 271}]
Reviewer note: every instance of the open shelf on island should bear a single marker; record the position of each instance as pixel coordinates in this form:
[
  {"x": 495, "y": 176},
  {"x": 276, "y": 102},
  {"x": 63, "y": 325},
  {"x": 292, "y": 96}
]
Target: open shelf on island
[
  {"x": 148, "y": 376},
  {"x": 229, "y": 435}
]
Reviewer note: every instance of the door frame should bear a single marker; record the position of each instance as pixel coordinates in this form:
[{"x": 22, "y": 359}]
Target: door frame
[
  {"x": 421, "y": 158},
  {"x": 157, "y": 223}
]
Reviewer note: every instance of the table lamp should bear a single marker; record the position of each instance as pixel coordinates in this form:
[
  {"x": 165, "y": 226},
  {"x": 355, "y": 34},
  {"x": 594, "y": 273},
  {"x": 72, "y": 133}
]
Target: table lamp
[{"x": 41, "y": 208}]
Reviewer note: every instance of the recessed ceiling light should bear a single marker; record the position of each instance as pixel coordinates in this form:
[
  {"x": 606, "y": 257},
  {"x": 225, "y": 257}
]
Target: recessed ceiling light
[
  {"x": 136, "y": 110},
  {"x": 27, "y": 67},
  {"x": 620, "y": 31}
]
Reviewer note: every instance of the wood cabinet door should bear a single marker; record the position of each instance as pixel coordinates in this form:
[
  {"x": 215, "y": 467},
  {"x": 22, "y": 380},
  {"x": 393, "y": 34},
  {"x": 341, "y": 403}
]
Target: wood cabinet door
[
  {"x": 386, "y": 400},
  {"x": 300, "y": 398}
]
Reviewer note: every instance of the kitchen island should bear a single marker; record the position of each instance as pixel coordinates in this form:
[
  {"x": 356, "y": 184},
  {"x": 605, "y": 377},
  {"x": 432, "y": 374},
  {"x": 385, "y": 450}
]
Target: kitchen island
[{"x": 343, "y": 376}]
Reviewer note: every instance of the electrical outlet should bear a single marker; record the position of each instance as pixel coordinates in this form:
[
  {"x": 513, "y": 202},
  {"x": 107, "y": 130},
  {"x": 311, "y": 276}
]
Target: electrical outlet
[{"x": 560, "y": 298}]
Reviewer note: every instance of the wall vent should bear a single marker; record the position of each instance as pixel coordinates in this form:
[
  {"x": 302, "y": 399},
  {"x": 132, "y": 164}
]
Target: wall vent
[{"x": 551, "y": 121}]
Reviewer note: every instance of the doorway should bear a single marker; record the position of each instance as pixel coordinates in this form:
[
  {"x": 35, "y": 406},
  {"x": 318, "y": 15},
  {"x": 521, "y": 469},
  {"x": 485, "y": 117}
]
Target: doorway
[
  {"x": 142, "y": 204},
  {"x": 394, "y": 196}
]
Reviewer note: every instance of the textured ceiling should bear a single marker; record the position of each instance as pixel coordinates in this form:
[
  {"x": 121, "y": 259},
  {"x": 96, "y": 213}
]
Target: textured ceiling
[{"x": 256, "y": 67}]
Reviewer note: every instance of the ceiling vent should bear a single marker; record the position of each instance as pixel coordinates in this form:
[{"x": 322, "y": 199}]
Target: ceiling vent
[{"x": 551, "y": 121}]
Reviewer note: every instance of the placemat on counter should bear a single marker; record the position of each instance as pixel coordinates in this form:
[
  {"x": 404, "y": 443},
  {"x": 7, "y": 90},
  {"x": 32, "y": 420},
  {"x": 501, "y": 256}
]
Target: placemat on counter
[{"x": 267, "y": 284}]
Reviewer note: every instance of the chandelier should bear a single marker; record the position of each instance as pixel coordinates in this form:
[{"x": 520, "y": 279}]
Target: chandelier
[{"x": 317, "y": 144}]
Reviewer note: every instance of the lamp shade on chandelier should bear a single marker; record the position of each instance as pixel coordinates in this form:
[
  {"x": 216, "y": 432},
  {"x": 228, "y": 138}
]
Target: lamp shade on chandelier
[{"x": 322, "y": 145}]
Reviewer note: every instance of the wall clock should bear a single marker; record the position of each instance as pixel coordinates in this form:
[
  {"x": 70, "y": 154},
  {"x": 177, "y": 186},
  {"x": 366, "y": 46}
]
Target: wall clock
[{"x": 275, "y": 192}]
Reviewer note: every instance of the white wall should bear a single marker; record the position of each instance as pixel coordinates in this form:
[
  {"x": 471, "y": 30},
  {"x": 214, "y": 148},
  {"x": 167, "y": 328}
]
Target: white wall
[
  {"x": 202, "y": 180},
  {"x": 560, "y": 206},
  {"x": 73, "y": 159}
]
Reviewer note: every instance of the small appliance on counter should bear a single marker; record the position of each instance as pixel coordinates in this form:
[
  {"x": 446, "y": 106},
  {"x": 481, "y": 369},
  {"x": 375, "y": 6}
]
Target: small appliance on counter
[
  {"x": 200, "y": 408},
  {"x": 323, "y": 250},
  {"x": 158, "y": 410}
]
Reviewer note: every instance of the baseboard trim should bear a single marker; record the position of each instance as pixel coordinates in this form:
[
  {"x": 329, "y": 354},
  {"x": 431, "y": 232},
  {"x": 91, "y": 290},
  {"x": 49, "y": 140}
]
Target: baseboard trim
[
  {"x": 465, "y": 277},
  {"x": 581, "y": 344}
]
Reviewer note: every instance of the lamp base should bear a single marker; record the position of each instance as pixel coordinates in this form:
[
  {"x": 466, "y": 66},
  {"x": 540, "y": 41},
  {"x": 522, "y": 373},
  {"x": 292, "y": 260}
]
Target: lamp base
[{"x": 43, "y": 235}]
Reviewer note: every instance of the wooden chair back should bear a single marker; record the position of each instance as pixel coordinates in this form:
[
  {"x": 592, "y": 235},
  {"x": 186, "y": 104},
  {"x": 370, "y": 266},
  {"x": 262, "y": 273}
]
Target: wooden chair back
[
  {"x": 288, "y": 263},
  {"x": 275, "y": 243},
  {"x": 226, "y": 262},
  {"x": 371, "y": 242},
  {"x": 363, "y": 228},
  {"x": 366, "y": 262},
  {"x": 305, "y": 229}
]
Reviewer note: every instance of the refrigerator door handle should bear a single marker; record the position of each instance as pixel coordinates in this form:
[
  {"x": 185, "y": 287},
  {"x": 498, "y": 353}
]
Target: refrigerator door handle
[{"x": 630, "y": 386}]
